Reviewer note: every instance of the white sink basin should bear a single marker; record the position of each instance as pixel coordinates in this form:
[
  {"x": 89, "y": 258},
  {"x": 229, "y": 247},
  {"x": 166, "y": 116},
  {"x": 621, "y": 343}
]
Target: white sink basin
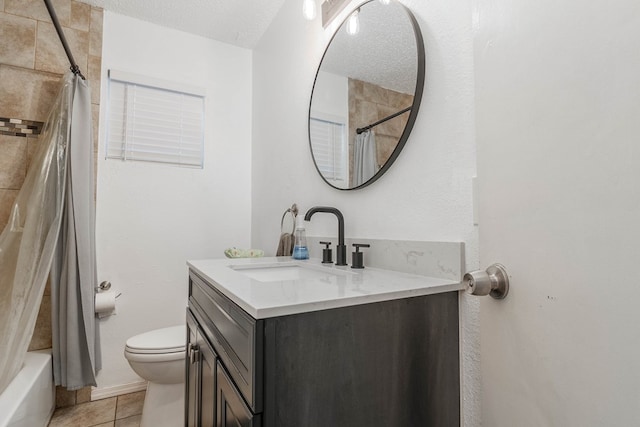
[{"x": 290, "y": 271}]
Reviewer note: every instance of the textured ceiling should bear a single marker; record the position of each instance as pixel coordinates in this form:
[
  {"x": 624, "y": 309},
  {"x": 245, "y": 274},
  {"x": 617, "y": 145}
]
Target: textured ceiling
[
  {"x": 237, "y": 22},
  {"x": 383, "y": 52}
]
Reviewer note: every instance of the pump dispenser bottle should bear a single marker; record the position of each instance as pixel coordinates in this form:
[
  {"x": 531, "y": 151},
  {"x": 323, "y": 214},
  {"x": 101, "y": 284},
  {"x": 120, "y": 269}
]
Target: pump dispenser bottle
[{"x": 300, "y": 250}]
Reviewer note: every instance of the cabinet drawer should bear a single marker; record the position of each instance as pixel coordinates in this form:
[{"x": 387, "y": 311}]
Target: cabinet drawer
[{"x": 236, "y": 336}]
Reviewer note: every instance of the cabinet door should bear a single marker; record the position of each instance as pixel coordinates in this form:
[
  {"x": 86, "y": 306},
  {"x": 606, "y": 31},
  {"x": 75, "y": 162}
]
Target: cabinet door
[
  {"x": 207, "y": 383},
  {"x": 200, "y": 402},
  {"x": 192, "y": 377},
  {"x": 232, "y": 411}
]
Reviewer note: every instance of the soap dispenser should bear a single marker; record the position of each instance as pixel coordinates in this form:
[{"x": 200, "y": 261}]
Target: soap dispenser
[{"x": 300, "y": 250}]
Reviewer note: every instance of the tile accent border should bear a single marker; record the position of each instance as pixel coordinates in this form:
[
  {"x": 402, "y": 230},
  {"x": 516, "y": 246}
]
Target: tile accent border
[{"x": 20, "y": 127}]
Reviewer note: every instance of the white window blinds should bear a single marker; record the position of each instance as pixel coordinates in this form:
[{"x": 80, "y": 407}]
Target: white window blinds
[
  {"x": 154, "y": 121},
  {"x": 330, "y": 151}
]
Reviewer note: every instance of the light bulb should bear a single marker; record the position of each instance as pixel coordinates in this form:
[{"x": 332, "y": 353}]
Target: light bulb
[
  {"x": 353, "y": 24},
  {"x": 309, "y": 9},
  {"x": 385, "y": 2}
]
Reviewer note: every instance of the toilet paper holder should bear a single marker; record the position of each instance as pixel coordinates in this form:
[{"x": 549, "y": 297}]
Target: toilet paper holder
[
  {"x": 494, "y": 281},
  {"x": 104, "y": 286}
]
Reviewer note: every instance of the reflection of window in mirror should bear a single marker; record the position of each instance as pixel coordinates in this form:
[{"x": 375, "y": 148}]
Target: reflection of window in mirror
[
  {"x": 329, "y": 122},
  {"x": 329, "y": 145}
]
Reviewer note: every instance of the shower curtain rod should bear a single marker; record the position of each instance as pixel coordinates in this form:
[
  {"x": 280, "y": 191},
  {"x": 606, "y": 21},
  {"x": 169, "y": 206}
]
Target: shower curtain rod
[
  {"x": 366, "y": 128},
  {"x": 74, "y": 67}
]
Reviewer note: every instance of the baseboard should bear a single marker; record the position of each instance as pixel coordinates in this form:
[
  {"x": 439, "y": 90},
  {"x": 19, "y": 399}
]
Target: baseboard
[{"x": 117, "y": 390}]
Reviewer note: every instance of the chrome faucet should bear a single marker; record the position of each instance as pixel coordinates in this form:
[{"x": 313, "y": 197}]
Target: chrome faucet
[{"x": 341, "y": 249}]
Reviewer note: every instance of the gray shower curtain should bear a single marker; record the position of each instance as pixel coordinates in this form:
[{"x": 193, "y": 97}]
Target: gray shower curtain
[
  {"x": 58, "y": 189},
  {"x": 364, "y": 157},
  {"x": 76, "y": 352}
]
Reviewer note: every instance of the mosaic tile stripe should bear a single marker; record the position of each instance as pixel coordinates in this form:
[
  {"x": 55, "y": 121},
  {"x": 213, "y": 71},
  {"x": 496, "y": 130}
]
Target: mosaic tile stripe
[{"x": 19, "y": 127}]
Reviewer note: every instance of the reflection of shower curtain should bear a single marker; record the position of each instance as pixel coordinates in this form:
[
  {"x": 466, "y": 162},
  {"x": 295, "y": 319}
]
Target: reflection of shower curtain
[
  {"x": 29, "y": 240},
  {"x": 364, "y": 157}
]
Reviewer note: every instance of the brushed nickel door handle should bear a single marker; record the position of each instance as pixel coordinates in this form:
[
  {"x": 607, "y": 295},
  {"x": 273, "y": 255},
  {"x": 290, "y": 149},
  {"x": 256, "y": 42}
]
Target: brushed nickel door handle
[{"x": 494, "y": 281}]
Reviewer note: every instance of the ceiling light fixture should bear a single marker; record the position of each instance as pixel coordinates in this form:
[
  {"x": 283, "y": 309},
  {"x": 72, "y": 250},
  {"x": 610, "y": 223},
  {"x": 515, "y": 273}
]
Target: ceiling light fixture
[
  {"x": 385, "y": 2},
  {"x": 309, "y": 9},
  {"x": 353, "y": 24}
]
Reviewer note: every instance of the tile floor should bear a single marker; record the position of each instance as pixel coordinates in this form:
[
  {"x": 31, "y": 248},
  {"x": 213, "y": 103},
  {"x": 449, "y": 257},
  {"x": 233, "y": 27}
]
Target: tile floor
[{"x": 120, "y": 411}]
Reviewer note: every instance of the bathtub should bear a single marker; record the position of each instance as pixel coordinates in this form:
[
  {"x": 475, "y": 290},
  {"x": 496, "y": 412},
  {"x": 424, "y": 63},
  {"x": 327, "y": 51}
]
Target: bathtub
[{"x": 29, "y": 400}]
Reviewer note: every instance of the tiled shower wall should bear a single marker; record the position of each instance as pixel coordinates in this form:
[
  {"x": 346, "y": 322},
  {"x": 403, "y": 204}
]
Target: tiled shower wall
[{"x": 32, "y": 62}]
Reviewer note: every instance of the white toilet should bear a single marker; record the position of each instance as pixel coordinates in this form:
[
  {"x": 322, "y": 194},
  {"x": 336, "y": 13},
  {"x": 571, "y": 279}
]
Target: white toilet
[{"x": 159, "y": 357}]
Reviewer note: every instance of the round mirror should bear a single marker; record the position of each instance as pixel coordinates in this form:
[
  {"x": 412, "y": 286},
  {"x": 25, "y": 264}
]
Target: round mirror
[{"x": 366, "y": 94}]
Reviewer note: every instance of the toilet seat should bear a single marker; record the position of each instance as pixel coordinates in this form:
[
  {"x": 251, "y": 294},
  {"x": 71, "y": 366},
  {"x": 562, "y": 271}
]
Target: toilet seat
[{"x": 166, "y": 341}]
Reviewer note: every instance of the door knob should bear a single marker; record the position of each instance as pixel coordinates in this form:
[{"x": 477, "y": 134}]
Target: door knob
[{"x": 493, "y": 281}]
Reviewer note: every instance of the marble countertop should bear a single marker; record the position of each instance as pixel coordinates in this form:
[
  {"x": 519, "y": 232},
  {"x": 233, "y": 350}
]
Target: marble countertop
[{"x": 278, "y": 286}]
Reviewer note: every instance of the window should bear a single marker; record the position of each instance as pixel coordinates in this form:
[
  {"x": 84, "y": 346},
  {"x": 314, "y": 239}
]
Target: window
[
  {"x": 330, "y": 150},
  {"x": 154, "y": 121}
]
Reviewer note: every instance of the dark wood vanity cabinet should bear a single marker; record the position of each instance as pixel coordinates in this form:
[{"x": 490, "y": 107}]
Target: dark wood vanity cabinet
[{"x": 388, "y": 364}]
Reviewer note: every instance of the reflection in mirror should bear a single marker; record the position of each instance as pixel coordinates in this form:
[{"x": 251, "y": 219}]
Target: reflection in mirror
[{"x": 366, "y": 95}]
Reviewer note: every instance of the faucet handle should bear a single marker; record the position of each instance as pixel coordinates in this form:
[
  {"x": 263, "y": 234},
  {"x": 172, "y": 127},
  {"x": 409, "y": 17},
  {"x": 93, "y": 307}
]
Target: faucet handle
[
  {"x": 357, "y": 259},
  {"x": 327, "y": 257}
]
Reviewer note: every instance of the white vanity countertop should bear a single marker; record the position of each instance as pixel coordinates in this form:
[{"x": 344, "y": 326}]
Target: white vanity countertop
[{"x": 269, "y": 287}]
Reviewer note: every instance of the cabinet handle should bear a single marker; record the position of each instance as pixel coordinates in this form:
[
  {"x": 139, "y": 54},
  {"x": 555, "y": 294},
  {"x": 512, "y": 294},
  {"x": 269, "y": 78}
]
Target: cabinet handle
[{"x": 194, "y": 353}]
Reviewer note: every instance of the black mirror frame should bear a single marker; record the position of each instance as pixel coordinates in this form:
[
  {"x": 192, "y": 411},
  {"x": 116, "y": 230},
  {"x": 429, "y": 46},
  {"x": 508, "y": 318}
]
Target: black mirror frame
[{"x": 415, "y": 107}]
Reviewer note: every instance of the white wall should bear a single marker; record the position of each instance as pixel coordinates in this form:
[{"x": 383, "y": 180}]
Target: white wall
[
  {"x": 151, "y": 218},
  {"x": 333, "y": 97},
  {"x": 426, "y": 195}
]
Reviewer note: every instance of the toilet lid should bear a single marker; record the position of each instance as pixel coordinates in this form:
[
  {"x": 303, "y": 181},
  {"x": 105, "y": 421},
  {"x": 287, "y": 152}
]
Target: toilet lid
[{"x": 165, "y": 340}]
